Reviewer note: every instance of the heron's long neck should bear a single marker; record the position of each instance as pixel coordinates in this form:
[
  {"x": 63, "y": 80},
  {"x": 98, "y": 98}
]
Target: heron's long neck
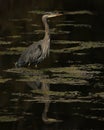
[{"x": 47, "y": 34}]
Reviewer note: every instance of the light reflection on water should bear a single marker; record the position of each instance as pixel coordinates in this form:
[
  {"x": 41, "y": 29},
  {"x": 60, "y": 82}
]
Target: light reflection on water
[
  {"x": 52, "y": 98},
  {"x": 66, "y": 91}
]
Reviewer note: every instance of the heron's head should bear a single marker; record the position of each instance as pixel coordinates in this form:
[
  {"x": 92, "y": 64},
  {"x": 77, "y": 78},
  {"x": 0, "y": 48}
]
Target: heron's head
[{"x": 51, "y": 15}]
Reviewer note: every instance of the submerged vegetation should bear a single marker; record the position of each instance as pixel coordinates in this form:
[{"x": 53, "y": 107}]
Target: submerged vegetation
[
  {"x": 3, "y": 80},
  {"x": 73, "y": 75}
]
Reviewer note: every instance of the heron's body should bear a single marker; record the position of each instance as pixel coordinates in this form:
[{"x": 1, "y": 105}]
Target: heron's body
[{"x": 36, "y": 52}]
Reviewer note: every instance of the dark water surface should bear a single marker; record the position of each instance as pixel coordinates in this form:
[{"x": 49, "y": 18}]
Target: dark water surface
[{"x": 66, "y": 91}]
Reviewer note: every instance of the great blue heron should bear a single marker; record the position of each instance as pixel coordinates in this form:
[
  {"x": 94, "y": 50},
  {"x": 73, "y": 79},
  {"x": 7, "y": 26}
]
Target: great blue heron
[{"x": 36, "y": 52}]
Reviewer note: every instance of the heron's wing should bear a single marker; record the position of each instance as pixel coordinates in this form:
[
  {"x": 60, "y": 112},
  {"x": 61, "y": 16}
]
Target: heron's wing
[
  {"x": 33, "y": 53},
  {"x": 36, "y": 53}
]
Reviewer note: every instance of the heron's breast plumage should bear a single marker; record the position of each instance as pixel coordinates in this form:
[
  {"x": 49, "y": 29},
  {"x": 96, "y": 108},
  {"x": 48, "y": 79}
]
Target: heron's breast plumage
[{"x": 46, "y": 48}]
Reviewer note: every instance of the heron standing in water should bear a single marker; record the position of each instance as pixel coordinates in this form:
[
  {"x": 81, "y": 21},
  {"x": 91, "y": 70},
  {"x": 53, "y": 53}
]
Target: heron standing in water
[{"x": 36, "y": 52}]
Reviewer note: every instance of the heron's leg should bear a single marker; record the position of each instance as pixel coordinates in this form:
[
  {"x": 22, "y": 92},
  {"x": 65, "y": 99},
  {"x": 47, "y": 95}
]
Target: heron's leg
[
  {"x": 15, "y": 64},
  {"x": 36, "y": 66},
  {"x": 28, "y": 64}
]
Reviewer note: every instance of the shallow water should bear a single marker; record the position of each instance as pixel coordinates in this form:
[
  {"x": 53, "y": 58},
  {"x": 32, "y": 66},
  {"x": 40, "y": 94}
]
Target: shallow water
[{"x": 65, "y": 91}]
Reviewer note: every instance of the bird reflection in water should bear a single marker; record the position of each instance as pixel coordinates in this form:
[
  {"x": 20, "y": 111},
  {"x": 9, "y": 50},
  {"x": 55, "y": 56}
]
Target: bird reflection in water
[{"x": 44, "y": 88}]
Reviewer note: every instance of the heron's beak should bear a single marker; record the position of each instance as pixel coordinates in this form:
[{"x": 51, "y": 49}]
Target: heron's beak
[
  {"x": 59, "y": 14},
  {"x": 55, "y": 15}
]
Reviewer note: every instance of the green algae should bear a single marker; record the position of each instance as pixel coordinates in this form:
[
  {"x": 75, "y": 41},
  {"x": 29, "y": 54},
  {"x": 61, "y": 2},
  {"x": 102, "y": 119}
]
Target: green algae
[
  {"x": 36, "y": 12},
  {"x": 82, "y": 12},
  {"x": 9, "y": 118},
  {"x": 75, "y": 25},
  {"x": 3, "y": 80},
  {"x": 5, "y": 42},
  {"x": 81, "y": 46},
  {"x": 73, "y": 75},
  {"x": 17, "y": 49}
]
